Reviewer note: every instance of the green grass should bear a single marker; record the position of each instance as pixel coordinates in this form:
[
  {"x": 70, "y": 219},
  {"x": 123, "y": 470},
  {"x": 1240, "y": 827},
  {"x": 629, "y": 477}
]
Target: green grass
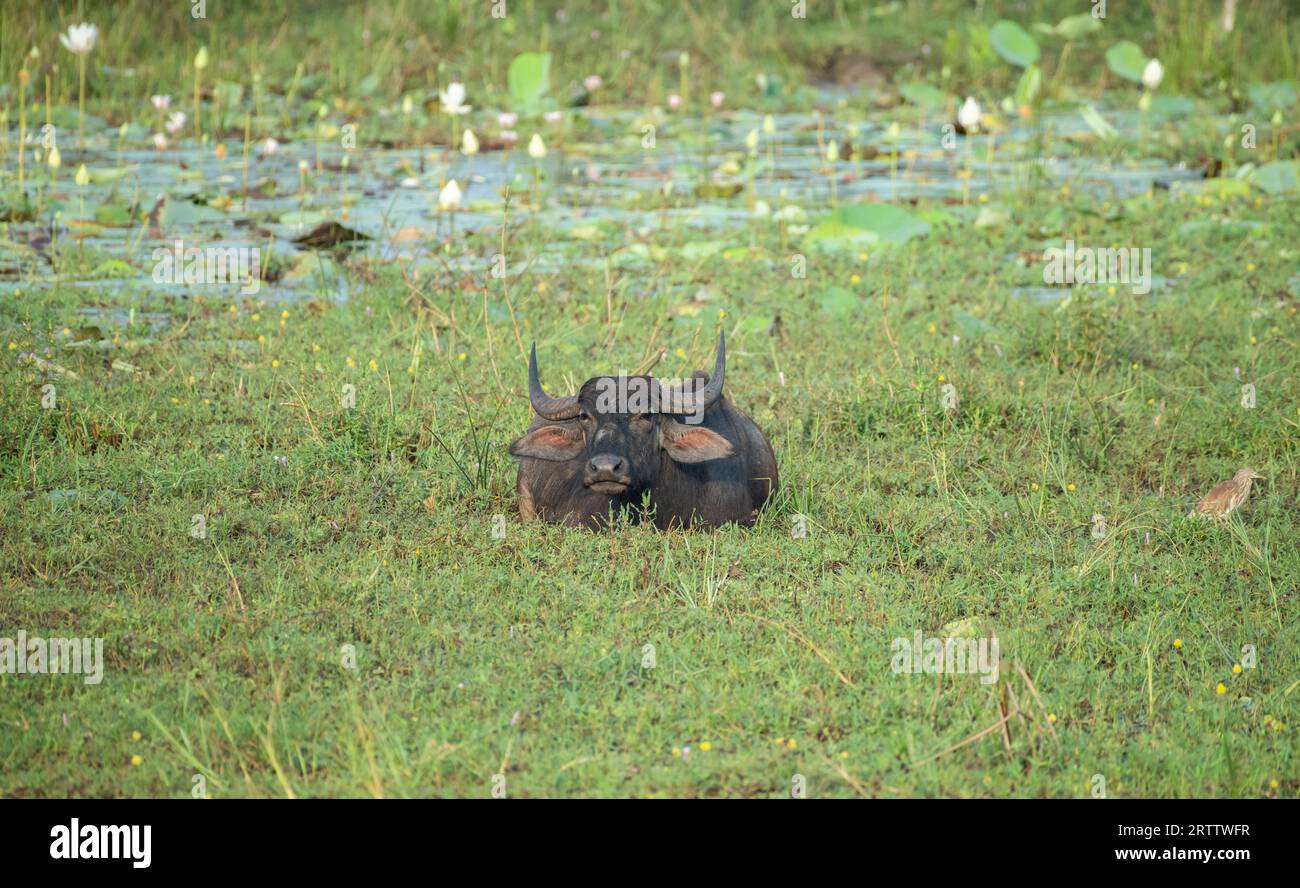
[
  {"x": 578, "y": 663},
  {"x": 476, "y": 655},
  {"x": 354, "y": 56}
]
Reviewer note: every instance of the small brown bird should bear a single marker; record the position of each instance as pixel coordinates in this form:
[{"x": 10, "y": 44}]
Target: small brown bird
[{"x": 1224, "y": 498}]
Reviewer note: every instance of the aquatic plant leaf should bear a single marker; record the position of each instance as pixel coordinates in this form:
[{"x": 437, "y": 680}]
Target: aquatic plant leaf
[
  {"x": 529, "y": 79},
  {"x": 888, "y": 222},
  {"x": 1097, "y": 123},
  {"x": 838, "y": 301},
  {"x": 1074, "y": 27},
  {"x": 1278, "y": 177},
  {"x": 1013, "y": 43},
  {"x": 1271, "y": 98},
  {"x": 924, "y": 95},
  {"x": 1028, "y": 88},
  {"x": 1127, "y": 60}
]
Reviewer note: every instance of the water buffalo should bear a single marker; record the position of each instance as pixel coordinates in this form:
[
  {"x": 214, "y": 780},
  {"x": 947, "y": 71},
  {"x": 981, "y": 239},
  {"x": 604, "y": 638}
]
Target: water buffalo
[{"x": 623, "y": 443}]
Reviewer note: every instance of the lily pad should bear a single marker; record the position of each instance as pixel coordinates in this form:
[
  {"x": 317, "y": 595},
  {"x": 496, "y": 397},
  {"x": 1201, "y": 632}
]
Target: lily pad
[
  {"x": 834, "y": 236},
  {"x": 1127, "y": 60},
  {"x": 715, "y": 190},
  {"x": 1013, "y": 43},
  {"x": 886, "y": 221},
  {"x": 1271, "y": 98},
  {"x": 1074, "y": 27},
  {"x": 924, "y": 95},
  {"x": 1278, "y": 177},
  {"x": 838, "y": 301},
  {"x": 529, "y": 79}
]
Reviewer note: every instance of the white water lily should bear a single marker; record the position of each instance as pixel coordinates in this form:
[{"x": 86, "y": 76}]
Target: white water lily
[
  {"x": 968, "y": 115},
  {"x": 160, "y": 141},
  {"x": 176, "y": 122},
  {"x": 1152, "y": 74},
  {"x": 162, "y": 103},
  {"x": 762, "y": 209},
  {"x": 80, "y": 39},
  {"x": 453, "y": 99},
  {"x": 507, "y": 119},
  {"x": 449, "y": 197},
  {"x": 469, "y": 143},
  {"x": 593, "y": 82},
  {"x": 270, "y": 146},
  {"x": 536, "y": 147}
]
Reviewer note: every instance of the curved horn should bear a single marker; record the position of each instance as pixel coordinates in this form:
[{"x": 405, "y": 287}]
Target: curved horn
[
  {"x": 546, "y": 406},
  {"x": 677, "y": 400}
]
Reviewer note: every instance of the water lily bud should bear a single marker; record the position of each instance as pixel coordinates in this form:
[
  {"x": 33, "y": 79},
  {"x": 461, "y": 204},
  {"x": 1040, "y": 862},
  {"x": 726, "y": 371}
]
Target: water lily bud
[
  {"x": 833, "y": 151},
  {"x": 1152, "y": 74},
  {"x": 751, "y": 140},
  {"x": 449, "y": 197},
  {"x": 769, "y": 124},
  {"x": 83, "y": 176},
  {"x": 469, "y": 143},
  {"x": 968, "y": 115},
  {"x": 407, "y": 105},
  {"x": 201, "y": 58},
  {"x": 54, "y": 159},
  {"x": 536, "y": 148}
]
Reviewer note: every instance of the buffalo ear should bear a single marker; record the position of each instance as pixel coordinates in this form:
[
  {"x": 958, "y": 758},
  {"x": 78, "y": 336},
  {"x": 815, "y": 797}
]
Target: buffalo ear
[
  {"x": 551, "y": 442},
  {"x": 692, "y": 444}
]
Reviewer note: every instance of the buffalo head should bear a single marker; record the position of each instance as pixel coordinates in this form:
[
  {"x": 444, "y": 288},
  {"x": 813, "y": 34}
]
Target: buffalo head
[{"x": 619, "y": 427}]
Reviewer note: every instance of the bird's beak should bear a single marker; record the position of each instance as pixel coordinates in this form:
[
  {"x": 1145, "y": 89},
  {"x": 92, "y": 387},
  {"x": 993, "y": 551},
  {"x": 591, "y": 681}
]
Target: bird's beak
[{"x": 1258, "y": 477}]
